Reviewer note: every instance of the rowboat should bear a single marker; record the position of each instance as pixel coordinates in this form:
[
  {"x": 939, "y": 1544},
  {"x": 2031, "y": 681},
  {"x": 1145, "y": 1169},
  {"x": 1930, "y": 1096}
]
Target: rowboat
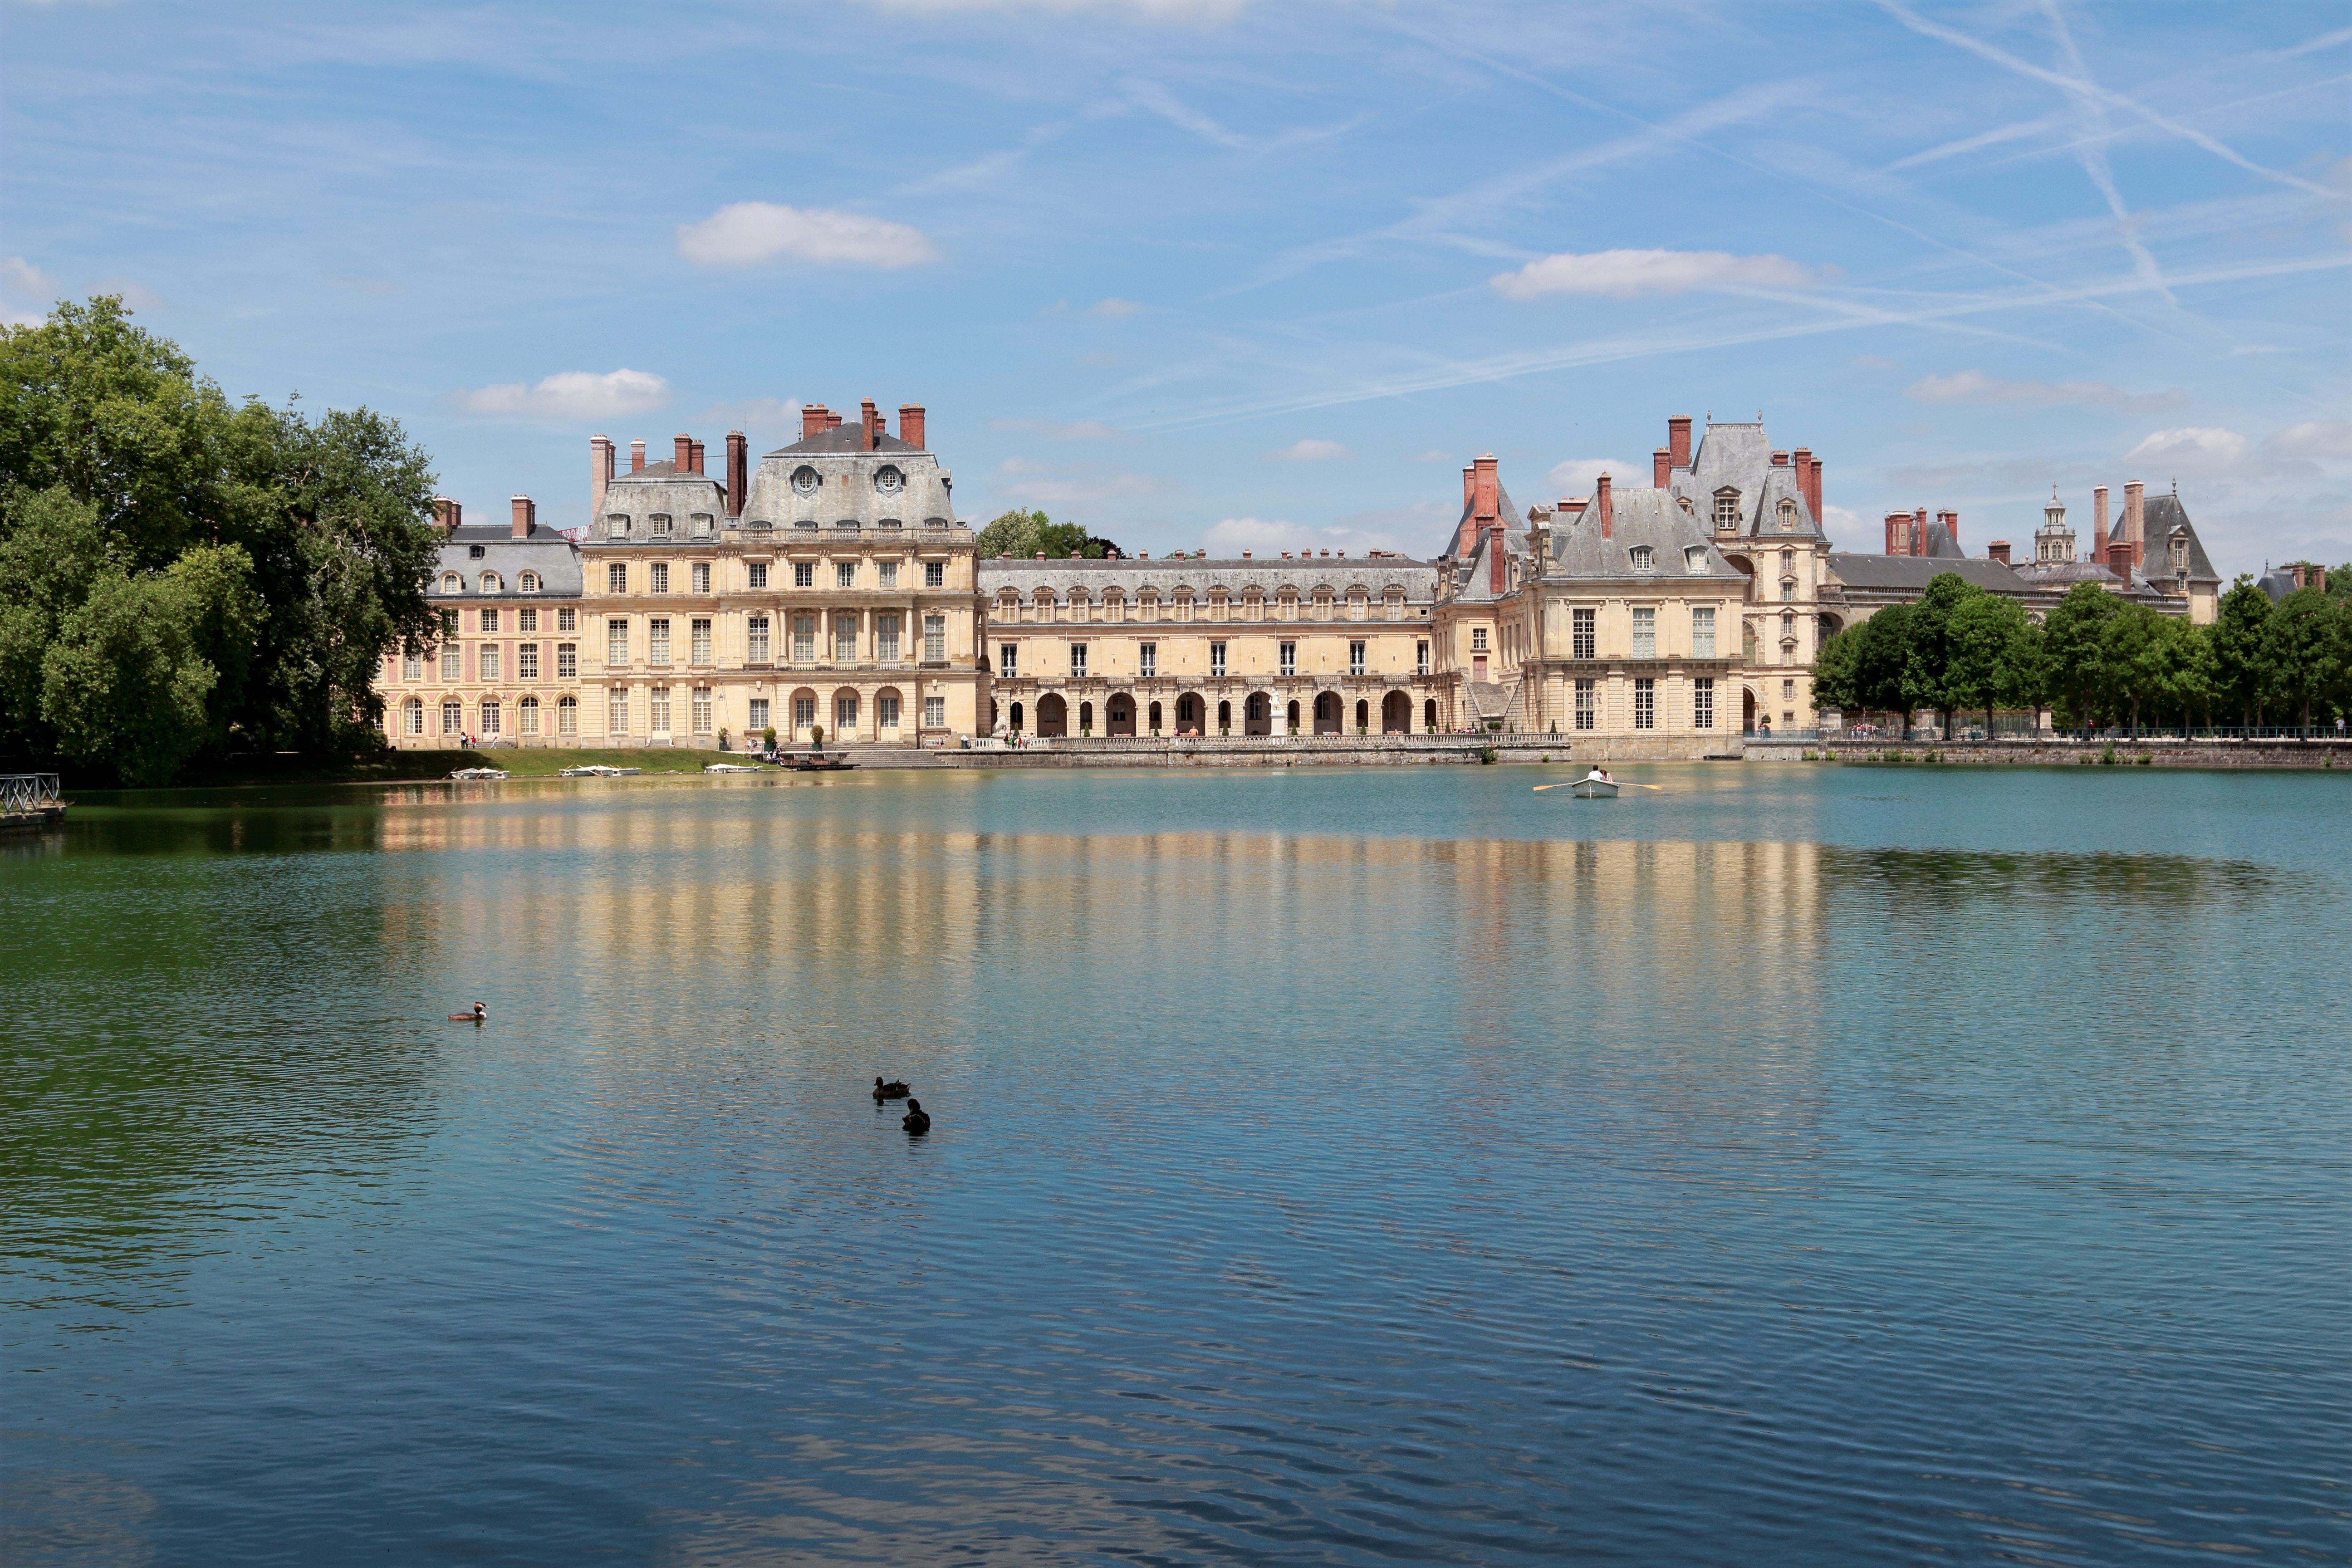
[
  {"x": 818, "y": 762},
  {"x": 1593, "y": 787},
  {"x": 596, "y": 771},
  {"x": 731, "y": 768},
  {"x": 477, "y": 775}
]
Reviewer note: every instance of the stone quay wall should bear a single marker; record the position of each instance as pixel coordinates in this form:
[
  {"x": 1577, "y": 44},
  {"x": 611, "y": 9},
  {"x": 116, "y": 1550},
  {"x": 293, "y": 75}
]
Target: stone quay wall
[
  {"x": 2160, "y": 753},
  {"x": 1338, "y": 751}
]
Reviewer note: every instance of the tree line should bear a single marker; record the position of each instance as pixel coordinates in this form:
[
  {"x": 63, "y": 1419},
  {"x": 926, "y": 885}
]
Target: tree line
[
  {"x": 2098, "y": 659},
  {"x": 1022, "y": 534},
  {"x": 185, "y": 575}
]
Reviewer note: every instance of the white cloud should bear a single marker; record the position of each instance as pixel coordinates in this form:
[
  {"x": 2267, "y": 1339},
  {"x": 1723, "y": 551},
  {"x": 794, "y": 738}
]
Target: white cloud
[
  {"x": 2200, "y": 449},
  {"x": 1624, "y": 274},
  {"x": 755, "y": 416},
  {"x": 20, "y": 279},
  {"x": 1575, "y": 477},
  {"x": 570, "y": 395},
  {"x": 1844, "y": 526},
  {"x": 752, "y": 234},
  {"x": 1117, "y": 309},
  {"x": 1025, "y": 481},
  {"x": 1308, "y": 451},
  {"x": 1975, "y": 386},
  {"x": 2316, "y": 439}
]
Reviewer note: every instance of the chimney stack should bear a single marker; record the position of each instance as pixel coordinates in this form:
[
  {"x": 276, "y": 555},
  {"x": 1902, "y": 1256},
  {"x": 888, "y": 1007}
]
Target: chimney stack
[
  {"x": 446, "y": 513},
  {"x": 1602, "y": 503},
  {"x": 812, "y": 419},
  {"x": 637, "y": 455},
  {"x": 832, "y": 420},
  {"x": 739, "y": 472},
  {"x": 1469, "y": 532},
  {"x": 910, "y": 424},
  {"x": 698, "y": 458},
  {"x": 1488, "y": 507},
  {"x": 869, "y": 421},
  {"x": 1898, "y": 533},
  {"x": 1919, "y": 532},
  {"x": 1574, "y": 507},
  {"x": 524, "y": 515},
  {"x": 1662, "y": 464},
  {"x": 1678, "y": 432},
  {"x": 2297, "y": 569},
  {"x": 600, "y": 473},
  {"x": 1997, "y": 551},
  {"x": 2320, "y": 578},
  {"x": 2099, "y": 523},
  {"x": 1813, "y": 490},
  {"x": 2134, "y": 520},
  {"x": 1779, "y": 459},
  {"x": 682, "y": 455},
  {"x": 1951, "y": 521}
]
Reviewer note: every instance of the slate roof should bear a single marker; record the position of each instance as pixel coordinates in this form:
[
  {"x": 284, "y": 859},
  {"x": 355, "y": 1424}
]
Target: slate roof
[
  {"x": 1914, "y": 573},
  {"x": 1740, "y": 455},
  {"x": 2159, "y": 516},
  {"x": 555, "y": 558},
  {"x": 1374, "y": 575},
  {"x": 845, "y": 436},
  {"x": 1639, "y": 517}
]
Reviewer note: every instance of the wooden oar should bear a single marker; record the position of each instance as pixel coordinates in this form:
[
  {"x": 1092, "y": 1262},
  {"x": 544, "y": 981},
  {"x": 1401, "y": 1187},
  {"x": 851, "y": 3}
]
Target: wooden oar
[{"x": 1620, "y": 783}]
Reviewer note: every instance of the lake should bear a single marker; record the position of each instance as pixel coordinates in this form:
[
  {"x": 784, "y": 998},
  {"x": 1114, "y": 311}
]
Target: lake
[{"x": 1789, "y": 1164}]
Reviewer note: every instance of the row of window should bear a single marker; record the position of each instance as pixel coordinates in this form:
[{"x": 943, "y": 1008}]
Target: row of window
[
  {"x": 490, "y": 662},
  {"x": 493, "y": 619},
  {"x": 844, "y": 575},
  {"x": 804, "y": 635},
  {"x": 1146, "y": 660},
  {"x": 489, "y": 717},
  {"x": 491, "y": 582},
  {"x": 887, "y": 714},
  {"x": 1586, "y": 705},
  {"x": 1043, "y": 607}
]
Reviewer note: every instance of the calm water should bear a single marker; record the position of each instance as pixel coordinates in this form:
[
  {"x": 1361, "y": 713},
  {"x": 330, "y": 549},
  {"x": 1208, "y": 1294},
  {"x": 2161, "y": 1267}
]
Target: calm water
[{"x": 1795, "y": 1166}]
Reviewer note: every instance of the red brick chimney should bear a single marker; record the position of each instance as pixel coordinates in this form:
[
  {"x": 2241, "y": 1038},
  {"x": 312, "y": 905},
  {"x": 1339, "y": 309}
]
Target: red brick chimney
[
  {"x": 446, "y": 513},
  {"x": 637, "y": 455},
  {"x": 2297, "y": 569},
  {"x": 600, "y": 473},
  {"x": 1997, "y": 551},
  {"x": 1604, "y": 505},
  {"x": 1467, "y": 534},
  {"x": 697, "y": 457},
  {"x": 1662, "y": 464},
  {"x": 1573, "y": 507},
  {"x": 1813, "y": 485},
  {"x": 1919, "y": 532},
  {"x": 1486, "y": 504},
  {"x": 910, "y": 424},
  {"x": 812, "y": 419},
  {"x": 869, "y": 422},
  {"x": 832, "y": 420},
  {"x": 2134, "y": 520},
  {"x": 739, "y": 472},
  {"x": 1898, "y": 533},
  {"x": 1779, "y": 459},
  {"x": 2320, "y": 578},
  {"x": 524, "y": 515},
  {"x": 682, "y": 455},
  {"x": 1951, "y": 521},
  {"x": 2099, "y": 523},
  {"x": 1678, "y": 433}
]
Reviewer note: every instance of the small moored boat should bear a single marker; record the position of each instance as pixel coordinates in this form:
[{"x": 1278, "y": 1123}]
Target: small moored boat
[
  {"x": 596, "y": 771},
  {"x": 731, "y": 768},
  {"x": 819, "y": 762},
  {"x": 474, "y": 776}
]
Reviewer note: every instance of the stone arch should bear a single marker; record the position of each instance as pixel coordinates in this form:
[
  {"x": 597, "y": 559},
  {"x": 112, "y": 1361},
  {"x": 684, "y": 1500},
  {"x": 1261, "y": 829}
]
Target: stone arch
[
  {"x": 1119, "y": 715},
  {"x": 845, "y": 716},
  {"x": 1747, "y": 710},
  {"x": 802, "y": 712},
  {"x": 1746, "y": 569},
  {"x": 1290, "y": 716},
  {"x": 1396, "y": 714},
  {"x": 1086, "y": 717},
  {"x": 1831, "y": 625},
  {"x": 1429, "y": 715},
  {"x": 890, "y": 715},
  {"x": 1157, "y": 725},
  {"x": 1328, "y": 719},
  {"x": 1257, "y": 714},
  {"x": 1192, "y": 713},
  {"x": 1017, "y": 716},
  {"x": 1052, "y": 716},
  {"x": 1224, "y": 716},
  {"x": 1363, "y": 716}
]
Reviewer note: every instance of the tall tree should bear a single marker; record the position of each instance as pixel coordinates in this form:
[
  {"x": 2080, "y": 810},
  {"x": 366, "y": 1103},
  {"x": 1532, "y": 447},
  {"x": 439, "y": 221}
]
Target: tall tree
[
  {"x": 2304, "y": 652},
  {"x": 1929, "y": 652},
  {"x": 2070, "y": 645},
  {"x": 1991, "y": 657},
  {"x": 2234, "y": 644}
]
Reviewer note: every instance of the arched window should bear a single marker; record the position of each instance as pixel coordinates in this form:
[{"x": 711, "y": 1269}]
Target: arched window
[
  {"x": 489, "y": 581},
  {"x": 489, "y": 716},
  {"x": 452, "y": 583},
  {"x": 529, "y": 584},
  {"x": 567, "y": 716},
  {"x": 529, "y": 723}
]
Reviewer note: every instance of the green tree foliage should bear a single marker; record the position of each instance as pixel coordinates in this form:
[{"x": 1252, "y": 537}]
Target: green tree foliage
[
  {"x": 2306, "y": 644},
  {"x": 1993, "y": 654},
  {"x": 2070, "y": 647},
  {"x": 1022, "y": 534},
  {"x": 179, "y": 573},
  {"x": 2234, "y": 650},
  {"x": 1867, "y": 663}
]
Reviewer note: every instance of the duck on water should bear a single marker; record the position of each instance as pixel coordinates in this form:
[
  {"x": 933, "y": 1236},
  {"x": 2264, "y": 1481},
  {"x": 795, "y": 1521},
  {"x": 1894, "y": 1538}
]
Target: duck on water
[
  {"x": 917, "y": 1119},
  {"x": 479, "y": 1015},
  {"x": 896, "y": 1089}
]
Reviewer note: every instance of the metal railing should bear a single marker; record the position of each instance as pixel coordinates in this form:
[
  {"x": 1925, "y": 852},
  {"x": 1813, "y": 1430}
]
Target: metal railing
[{"x": 28, "y": 792}]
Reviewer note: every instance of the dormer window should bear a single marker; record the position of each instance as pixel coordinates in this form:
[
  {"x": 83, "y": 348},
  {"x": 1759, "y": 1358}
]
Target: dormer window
[
  {"x": 452, "y": 583},
  {"x": 1695, "y": 560},
  {"x": 805, "y": 481},
  {"x": 2179, "y": 557},
  {"x": 475, "y": 552},
  {"x": 616, "y": 524},
  {"x": 660, "y": 521},
  {"x": 1726, "y": 509},
  {"x": 703, "y": 523},
  {"x": 489, "y": 581},
  {"x": 888, "y": 480},
  {"x": 529, "y": 584},
  {"x": 1788, "y": 516},
  {"x": 1644, "y": 558}
]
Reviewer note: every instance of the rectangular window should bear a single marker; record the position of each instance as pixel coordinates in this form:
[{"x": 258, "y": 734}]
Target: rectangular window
[
  {"x": 616, "y": 578},
  {"x": 661, "y": 524},
  {"x": 1146, "y": 660},
  {"x": 1008, "y": 661},
  {"x": 804, "y": 713},
  {"x": 935, "y": 713},
  {"x": 489, "y": 718},
  {"x": 412, "y": 717},
  {"x": 567, "y": 620},
  {"x": 1787, "y": 691},
  {"x": 700, "y": 575},
  {"x": 885, "y": 638},
  {"x": 453, "y": 718},
  {"x": 658, "y": 710},
  {"x": 567, "y": 716},
  {"x": 759, "y": 573},
  {"x": 758, "y": 720},
  {"x": 1421, "y": 659},
  {"x": 803, "y": 573},
  {"x": 1355, "y": 659},
  {"x": 698, "y": 631},
  {"x": 1645, "y": 633},
  {"x": 448, "y": 623},
  {"x": 411, "y": 667},
  {"x": 702, "y": 710},
  {"x": 1580, "y": 634},
  {"x": 527, "y": 618},
  {"x": 1287, "y": 661},
  {"x": 616, "y": 642},
  {"x": 657, "y": 640},
  {"x": 1788, "y": 591},
  {"x": 567, "y": 661},
  {"x": 489, "y": 619},
  {"x": 845, "y": 574},
  {"x": 452, "y": 662},
  {"x": 844, "y": 638},
  {"x": 887, "y": 572},
  {"x": 616, "y": 714},
  {"x": 1586, "y": 708},
  {"x": 756, "y": 639},
  {"x": 845, "y": 717},
  {"x": 935, "y": 574},
  {"x": 1078, "y": 661},
  {"x": 661, "y": 577},
  {"x": 935, "y": 639},
  {"x": 1216, "y": 658},
  {"x": 1478, "y": 639},
  {"x": 885, "y": 712},
  {"x": 1703, "y": 631},
  {"x": 1703, "y": 703},
  {"x": 804, "y": 640},
  {"x": 1645, "y": 703},
  {"x": 530, "y": 715},
  {"x": 527, "y": 661}
]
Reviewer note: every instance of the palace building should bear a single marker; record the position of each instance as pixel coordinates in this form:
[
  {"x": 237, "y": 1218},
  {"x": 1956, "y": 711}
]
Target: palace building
[{"x": 830, "y": 587}]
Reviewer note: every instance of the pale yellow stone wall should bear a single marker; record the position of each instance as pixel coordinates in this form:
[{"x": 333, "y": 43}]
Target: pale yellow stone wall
[{"x": 515, "y": 679}]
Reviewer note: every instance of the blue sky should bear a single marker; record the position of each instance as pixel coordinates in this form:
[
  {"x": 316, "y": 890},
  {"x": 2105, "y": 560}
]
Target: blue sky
[{"x": 1247, "y": 273}]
